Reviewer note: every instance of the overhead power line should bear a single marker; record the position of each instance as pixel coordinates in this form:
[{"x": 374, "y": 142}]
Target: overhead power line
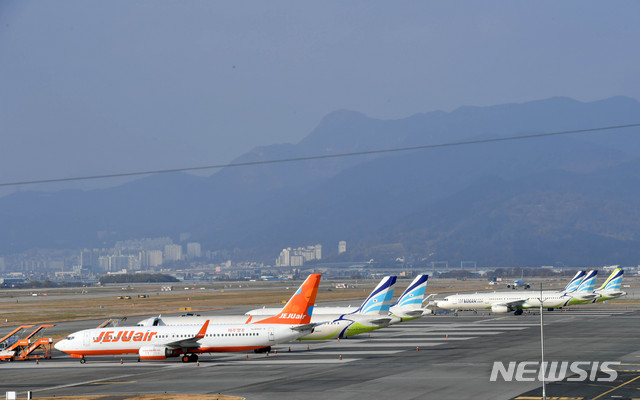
[{"x": 320, "y": 157}]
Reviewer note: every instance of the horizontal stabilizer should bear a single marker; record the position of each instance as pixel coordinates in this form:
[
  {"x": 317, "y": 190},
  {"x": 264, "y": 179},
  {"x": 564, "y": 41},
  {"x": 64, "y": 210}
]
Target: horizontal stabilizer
[{"x": 302, "y": 328}]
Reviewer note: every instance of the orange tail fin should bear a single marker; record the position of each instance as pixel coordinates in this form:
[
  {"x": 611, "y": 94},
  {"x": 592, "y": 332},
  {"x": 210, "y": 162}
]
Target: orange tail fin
[{"x": 298, "y": 309}]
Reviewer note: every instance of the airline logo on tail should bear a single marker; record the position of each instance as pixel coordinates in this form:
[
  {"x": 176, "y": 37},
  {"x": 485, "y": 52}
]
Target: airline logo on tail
[
  {"x": 414, "y": 294},
  {"x": 614, "y": 281},
  {"x": 589, "y": 282},
  {"x": 299, "y": 308},
  {"x": 573, "y": 284},
  {"x": 379, "y": 300}
]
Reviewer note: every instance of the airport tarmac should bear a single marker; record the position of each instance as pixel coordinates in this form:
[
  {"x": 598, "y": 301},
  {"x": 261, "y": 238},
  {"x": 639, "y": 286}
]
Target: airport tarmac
[{"x": 443, "y": 357}]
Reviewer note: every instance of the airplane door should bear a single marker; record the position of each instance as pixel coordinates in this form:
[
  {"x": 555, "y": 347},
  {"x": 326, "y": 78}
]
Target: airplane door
[
  {"x": 86, "y": 340},
  {"x": 271, "y": 335}
]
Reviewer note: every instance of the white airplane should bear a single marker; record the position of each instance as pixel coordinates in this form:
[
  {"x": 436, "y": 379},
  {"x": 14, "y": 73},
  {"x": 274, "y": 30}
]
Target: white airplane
[
  {"x": 519, "y": 283},
  {"x": 371, "y": 315},
  {"x": 158, "y": 341},
  {"x": 502, "y": 302}
]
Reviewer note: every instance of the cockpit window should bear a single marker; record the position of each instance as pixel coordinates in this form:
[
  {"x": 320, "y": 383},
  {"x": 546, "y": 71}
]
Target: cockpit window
[{"x": 70, "y": 337}]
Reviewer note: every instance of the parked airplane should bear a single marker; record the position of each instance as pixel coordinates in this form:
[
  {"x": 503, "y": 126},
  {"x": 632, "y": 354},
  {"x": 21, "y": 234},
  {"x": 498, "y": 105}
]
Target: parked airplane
[
  {"x": 187, "y": 341},
  {"x": 372, "y": 314},
  {"x": 502, "y": 302},
  {"x": 610, "y": 289},
  {"x": 585, "y": 292}
]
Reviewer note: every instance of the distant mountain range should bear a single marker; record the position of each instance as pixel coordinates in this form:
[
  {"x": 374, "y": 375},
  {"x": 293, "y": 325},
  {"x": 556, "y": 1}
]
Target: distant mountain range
[{"x": 570, "y": 199}]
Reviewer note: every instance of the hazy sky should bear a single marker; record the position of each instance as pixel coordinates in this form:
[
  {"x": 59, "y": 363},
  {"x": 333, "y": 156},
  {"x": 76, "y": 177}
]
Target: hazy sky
[{"x": 96, "y": 87}]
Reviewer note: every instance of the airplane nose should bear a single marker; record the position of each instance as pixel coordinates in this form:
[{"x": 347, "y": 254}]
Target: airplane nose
[{"x": 59, "y": 346}]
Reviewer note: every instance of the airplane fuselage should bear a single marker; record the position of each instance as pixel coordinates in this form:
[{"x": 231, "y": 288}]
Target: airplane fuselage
[
  {"x": 482, "y": 301},
  {"x": 329, "y": 326},
  {"x": 217, "y": 338}
]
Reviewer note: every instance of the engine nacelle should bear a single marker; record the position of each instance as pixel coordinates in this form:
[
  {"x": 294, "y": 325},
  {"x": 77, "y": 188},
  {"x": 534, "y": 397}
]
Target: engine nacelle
[
  {"x": 155, "y": 353},
  {"x": 497, "y": 308}
]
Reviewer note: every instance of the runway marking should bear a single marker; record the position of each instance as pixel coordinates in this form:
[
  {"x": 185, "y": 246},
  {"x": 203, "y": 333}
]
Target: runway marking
[
  {"x": 93, "y": 381},
  {"x": 334, "y": 360},
  {"x": 112, "y": 383},
  {"x": 617, "y": 387},
  {"x": 358, "y": 352},
  {"x": 505, "y": 324},
  {"x": 454, "y": 332},
  {"x": 548, "y": 398},
  {"x": 404, "y": 332},
  {"x": 422, "y": 338},
  {"x": 480, "y": 329},
  {"x": 408, "y": 345}
]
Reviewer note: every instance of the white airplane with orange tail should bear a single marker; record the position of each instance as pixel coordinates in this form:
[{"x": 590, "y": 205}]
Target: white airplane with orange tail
[{"x": 187, "y": 341}]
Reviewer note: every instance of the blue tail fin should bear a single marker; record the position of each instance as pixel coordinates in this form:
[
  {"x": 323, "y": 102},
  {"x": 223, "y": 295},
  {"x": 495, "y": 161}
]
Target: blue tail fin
[
  {"x": 379, "y": 300},
  {"x": 589, "y": 282},
  {"x": 414, "y": 294},
  {"x": 573, "y": 284},
  {"x": 614, "y": 281}
]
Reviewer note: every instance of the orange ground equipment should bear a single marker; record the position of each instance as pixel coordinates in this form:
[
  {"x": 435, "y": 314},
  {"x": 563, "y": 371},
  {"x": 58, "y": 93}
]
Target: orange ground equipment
[{"x": 16, "y": 348}]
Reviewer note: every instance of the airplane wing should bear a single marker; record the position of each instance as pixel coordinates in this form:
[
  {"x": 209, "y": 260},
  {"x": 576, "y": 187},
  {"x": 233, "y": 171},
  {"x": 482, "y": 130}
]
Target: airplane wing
[
  {"x": 512, "y": 305},
  {"x": 189, "y": 341}
]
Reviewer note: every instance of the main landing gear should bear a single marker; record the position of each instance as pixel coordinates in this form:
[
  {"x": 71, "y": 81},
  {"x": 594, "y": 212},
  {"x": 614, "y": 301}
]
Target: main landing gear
[
  {"x": 262, "y": 350},
  {"x": 189, "y": 358}
]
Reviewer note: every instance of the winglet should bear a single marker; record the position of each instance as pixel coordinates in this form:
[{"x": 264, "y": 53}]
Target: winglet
[{"x": 298, "y": 309}]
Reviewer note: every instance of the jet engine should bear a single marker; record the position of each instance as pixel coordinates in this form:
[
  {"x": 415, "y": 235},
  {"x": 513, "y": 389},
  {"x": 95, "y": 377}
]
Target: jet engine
[
  {"x": 155, "y": 353},
  {"x": 498, "y": 308}
]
